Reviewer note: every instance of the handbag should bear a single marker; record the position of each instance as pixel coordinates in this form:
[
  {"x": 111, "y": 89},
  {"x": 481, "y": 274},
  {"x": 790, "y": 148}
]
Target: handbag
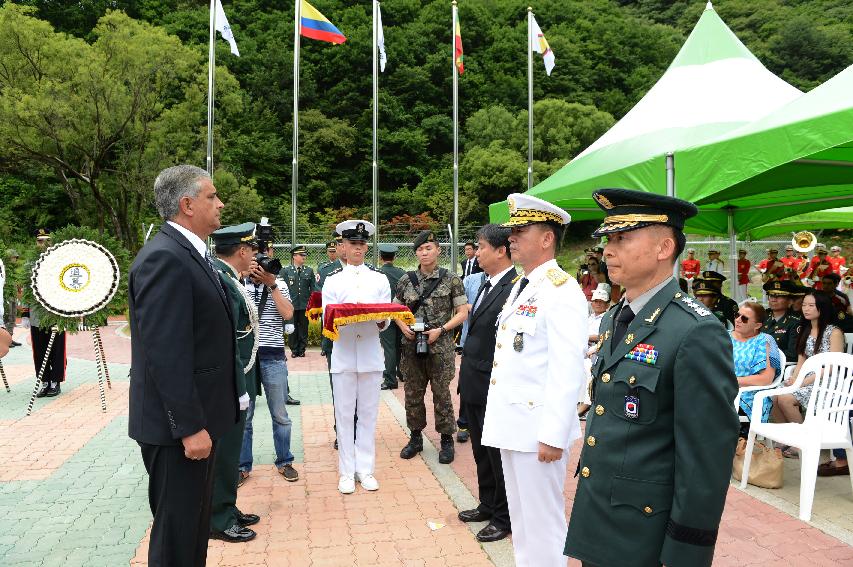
[{"x": 766, "y": 467}]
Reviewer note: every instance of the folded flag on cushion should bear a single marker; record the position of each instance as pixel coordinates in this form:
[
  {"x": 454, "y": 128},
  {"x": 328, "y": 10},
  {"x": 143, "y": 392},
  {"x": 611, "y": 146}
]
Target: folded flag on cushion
[
  {"x": 340, "y": 314},
  {"x": 315, "y": 305}
]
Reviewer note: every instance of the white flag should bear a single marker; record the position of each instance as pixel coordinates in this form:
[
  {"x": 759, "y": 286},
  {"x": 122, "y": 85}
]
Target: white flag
[
  {"x": 380, "y": 40},
  {"x": 224, "y": 28},
  {"x": 539, "y": 44}
]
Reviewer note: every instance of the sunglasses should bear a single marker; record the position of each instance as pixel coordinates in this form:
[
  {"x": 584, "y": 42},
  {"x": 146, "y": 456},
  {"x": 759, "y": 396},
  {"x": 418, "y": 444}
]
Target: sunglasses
[{"x": 743, "y": 318}]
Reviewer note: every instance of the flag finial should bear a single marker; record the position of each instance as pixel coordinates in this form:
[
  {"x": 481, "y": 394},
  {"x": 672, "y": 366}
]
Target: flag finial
[
  {"x": 530, "y": 8},
  {"x": 709, "y": 6},
  {"x": 454, "y": 2}
]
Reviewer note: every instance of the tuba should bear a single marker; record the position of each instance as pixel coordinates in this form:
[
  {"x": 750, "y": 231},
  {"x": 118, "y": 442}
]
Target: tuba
[{"x": 804, "y": 241}]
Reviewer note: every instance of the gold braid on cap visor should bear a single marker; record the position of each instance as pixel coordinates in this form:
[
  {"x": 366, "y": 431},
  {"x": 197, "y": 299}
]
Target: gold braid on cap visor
[
  {"x": 526, "y": 216},
  {"x": 635, "y": 218}
]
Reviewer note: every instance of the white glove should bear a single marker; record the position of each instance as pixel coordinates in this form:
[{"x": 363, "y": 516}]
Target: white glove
[
  {"x": 25, "y": 322},
  {"x": 244, "y": 402},
  {"x": 289, "y": 329}
]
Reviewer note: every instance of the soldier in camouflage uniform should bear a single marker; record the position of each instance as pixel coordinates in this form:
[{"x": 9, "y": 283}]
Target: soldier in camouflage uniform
[{"x": 443, "y": 309}]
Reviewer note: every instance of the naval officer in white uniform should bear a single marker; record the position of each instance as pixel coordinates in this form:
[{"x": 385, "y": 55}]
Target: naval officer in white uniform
[
  {"x": 357, "y": 359},
  {"x": 537, "y": 376}
]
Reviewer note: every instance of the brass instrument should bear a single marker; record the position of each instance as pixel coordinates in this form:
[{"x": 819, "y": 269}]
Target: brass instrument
[{"x": 804, "y": 241}]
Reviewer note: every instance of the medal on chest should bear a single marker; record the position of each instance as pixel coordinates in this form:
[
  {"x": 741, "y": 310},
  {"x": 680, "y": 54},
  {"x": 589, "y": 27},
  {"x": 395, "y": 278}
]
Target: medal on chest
[{"x": 518, "y": 342}]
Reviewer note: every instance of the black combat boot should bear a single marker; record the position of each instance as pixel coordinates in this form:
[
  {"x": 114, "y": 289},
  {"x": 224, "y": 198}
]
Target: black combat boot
[
  {"x": 446, "y": 454},
  {"x": 414, "y": 446}
]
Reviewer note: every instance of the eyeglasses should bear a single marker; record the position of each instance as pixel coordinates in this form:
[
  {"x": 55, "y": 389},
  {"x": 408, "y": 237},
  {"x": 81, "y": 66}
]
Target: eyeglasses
[{"x": 743, "y": 319}]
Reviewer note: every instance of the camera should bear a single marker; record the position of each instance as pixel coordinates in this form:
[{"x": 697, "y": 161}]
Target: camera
[
  {"x": 267, "y": 264},
  {"x": 421, "y": 344}
]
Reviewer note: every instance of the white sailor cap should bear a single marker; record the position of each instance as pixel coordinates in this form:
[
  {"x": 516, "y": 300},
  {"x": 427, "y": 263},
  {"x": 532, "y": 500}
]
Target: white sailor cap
[
  {"x": 360, "y": 230},
  {"x": 526, "y": 209}
]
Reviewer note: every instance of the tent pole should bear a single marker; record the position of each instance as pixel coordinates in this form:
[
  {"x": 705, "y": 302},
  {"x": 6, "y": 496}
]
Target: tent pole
[
  {"x": 670, "y": 192},
  {"x": 733, "y": 275}
]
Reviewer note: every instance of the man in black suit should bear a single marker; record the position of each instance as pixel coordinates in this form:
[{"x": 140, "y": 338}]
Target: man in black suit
[
  {"x": 470, "y": 265},
  {"x": 182, "y": 385},
  {"x": 474, "y": 373}
]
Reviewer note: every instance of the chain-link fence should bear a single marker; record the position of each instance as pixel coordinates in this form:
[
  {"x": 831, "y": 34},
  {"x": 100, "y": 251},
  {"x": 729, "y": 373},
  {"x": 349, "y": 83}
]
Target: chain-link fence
[{"x": 315, "y": 241}]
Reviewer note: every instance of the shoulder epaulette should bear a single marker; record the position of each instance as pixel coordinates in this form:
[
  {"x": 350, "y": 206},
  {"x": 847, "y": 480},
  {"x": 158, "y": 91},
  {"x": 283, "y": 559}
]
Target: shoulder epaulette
[
  {"x": 516, "y": 278},
  {"x": 335, "y": 271},
  {"x": 374, "y": 268},
  {"x": 692, "y": 306},
  {"x": 557, "y": 276}
]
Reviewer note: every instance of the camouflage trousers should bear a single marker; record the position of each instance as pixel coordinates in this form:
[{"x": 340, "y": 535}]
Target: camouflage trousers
[{"x": 437, "y": 370}]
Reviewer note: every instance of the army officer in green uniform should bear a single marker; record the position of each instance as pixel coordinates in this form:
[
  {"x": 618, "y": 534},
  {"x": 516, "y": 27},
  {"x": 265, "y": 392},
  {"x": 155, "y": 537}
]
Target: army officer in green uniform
[
  {"x": 300, "y": 282},
  {"x": 234, "y": 256},
  {"x": 390, "y": 337},
  {"x": 782, "y": 324},
  {"x": 709, "y": 295},
  {"x": 657, "y": 456},
  {"x": 725, "y": 304}
]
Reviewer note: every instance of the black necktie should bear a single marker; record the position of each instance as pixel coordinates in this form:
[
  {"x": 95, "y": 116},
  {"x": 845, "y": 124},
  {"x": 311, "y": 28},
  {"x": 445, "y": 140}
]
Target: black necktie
[
  {"x": 483, "y": 293},
  {"x": 622, "y": 321},
  {"x": 521, "y": 285}
]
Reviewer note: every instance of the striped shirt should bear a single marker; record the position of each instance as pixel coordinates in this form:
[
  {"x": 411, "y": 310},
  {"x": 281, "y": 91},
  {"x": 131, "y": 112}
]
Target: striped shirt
[{"x": 271, "y": 325}]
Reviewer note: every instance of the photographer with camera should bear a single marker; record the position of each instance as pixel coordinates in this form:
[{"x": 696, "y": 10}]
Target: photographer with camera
[
  {"x": 271, "y": 297},
  {"x": 437, "y": 299}
]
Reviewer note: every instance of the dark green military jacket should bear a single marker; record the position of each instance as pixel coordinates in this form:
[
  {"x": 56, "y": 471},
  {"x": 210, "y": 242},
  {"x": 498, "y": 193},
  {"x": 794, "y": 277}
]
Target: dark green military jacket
[
  {"x": 300, "y": 282},
  {"x": 660, "y": 438},
  {"x": 247, "y": 382},
  {"x": 785, "y": 332},
  {"x": 324, "y": 270},
  {"x": 393, "y": 273},
  {"x": 435, "y": 310}
]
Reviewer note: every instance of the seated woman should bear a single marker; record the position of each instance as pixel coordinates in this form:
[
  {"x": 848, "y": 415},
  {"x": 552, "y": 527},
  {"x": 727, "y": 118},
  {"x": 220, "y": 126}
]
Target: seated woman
[
  {"x": 756, "y": 357},
  {"x": 817, "y": 334}
]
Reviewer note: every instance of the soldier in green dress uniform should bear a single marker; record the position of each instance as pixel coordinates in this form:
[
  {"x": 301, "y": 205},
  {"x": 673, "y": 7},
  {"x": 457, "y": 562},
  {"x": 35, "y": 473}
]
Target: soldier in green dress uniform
[
  {"x": 300, "y": 282},
  {"x": 657, "y": 456},
  {"x": 234, "y": 256},
  {"x": 331, "y": 255},
  {"x": 390, "y": 337},
  {"x": 725, "y": 304},
  {"x": 782, "y": 324},
  {"x": 708, "y": 294}
]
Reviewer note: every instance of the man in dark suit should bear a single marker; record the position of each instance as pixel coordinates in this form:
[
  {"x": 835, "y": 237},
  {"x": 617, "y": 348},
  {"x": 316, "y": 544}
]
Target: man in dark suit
[
  {"x": 182, "y": 385},
  {"x": 474, "y": 374},
  {"x": 470, "y": 265}
]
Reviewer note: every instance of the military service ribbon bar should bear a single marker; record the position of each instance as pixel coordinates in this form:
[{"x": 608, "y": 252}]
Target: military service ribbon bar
[{"x": 643, "y": 353}]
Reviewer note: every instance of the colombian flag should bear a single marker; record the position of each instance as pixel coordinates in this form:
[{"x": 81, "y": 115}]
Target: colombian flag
[
  {"x": 316, "y": 26},
  {"x": 459, "y": 57}
]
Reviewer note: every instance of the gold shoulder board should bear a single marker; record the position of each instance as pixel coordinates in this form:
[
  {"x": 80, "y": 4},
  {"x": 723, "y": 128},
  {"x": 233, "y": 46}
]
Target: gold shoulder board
[
  {"x": 557, "y": 277},
  {"x": 516, "y": 278}
]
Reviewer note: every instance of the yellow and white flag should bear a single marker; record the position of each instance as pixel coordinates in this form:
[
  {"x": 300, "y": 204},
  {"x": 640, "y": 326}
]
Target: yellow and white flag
[{"x": 539, "y": 44}]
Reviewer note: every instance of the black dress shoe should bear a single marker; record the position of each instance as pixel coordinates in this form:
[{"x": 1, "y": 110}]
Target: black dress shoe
[
  {"x": 492, "y": 533},
  {"x": 53, "y": 392},
  {"x": 389, "y": 386},
  {"x": 474, "y": 515},
  {"x": 291, "y": 402},
  {"x": 247, "y": 519},
  {"x": 45, "y": 386},
  {"x": 235, "y": 534},
  {"x": 14, "y": 344}
]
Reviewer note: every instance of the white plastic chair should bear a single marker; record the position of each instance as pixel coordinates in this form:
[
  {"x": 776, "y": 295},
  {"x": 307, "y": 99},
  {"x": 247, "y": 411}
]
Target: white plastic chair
[
  {"x": 826, "y": 425},
  {"x": 783, "y": 375}
]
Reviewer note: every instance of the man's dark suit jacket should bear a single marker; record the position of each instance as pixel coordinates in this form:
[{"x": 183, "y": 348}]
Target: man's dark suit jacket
[
  {"x": 475, "y": 269},
  {"x": 479, "y": 351},
  {"x": 182, "y": 344}
]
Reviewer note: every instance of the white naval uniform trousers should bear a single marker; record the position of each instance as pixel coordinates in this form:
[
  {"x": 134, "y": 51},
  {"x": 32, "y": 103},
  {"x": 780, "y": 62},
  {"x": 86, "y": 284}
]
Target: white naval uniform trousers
[
  {"x": 536, "y": 379},
  {"x": 357, "y": 365}
]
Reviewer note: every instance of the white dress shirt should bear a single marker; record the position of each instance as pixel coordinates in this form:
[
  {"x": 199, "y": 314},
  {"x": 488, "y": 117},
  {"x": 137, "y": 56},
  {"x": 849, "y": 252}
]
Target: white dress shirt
[{"x": 197, "y": 242}]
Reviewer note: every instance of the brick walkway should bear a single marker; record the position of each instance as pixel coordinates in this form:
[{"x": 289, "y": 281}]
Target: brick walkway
[{"x": 73, "y": 488}]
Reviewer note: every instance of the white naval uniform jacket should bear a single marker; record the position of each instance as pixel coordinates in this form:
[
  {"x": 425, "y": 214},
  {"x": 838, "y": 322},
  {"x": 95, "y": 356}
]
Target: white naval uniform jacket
[
  {"x": 533, "y": 394},
  {"x": 357, "y": 348}
]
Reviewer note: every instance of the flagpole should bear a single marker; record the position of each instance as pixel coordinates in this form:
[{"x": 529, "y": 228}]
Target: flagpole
[
  {"x": 211, "y": 70},
  {"x": 375, "y": 165},
  {"x": 529, "y": 97},
  {"x": 454, "y": 252},
  {"x": 295, "y": 175}
]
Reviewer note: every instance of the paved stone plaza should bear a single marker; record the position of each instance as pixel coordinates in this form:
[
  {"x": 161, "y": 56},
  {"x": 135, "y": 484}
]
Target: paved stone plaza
[{"x": 73, "y": 488}]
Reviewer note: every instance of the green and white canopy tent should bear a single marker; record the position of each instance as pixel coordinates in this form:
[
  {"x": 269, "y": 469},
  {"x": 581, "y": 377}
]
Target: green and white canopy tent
[
  {"x": 714, "y": 85},
  {"x": 818, "y": 220}
]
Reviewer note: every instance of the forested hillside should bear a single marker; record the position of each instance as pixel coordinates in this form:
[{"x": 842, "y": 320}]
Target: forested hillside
[{"x": 93, "y": 103}]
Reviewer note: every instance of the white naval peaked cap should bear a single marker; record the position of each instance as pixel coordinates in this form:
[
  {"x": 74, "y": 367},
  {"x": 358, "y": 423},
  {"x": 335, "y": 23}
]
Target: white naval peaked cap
[
  {"x": 526, "y": 209},
  {"x": 355, "y": 229}
]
